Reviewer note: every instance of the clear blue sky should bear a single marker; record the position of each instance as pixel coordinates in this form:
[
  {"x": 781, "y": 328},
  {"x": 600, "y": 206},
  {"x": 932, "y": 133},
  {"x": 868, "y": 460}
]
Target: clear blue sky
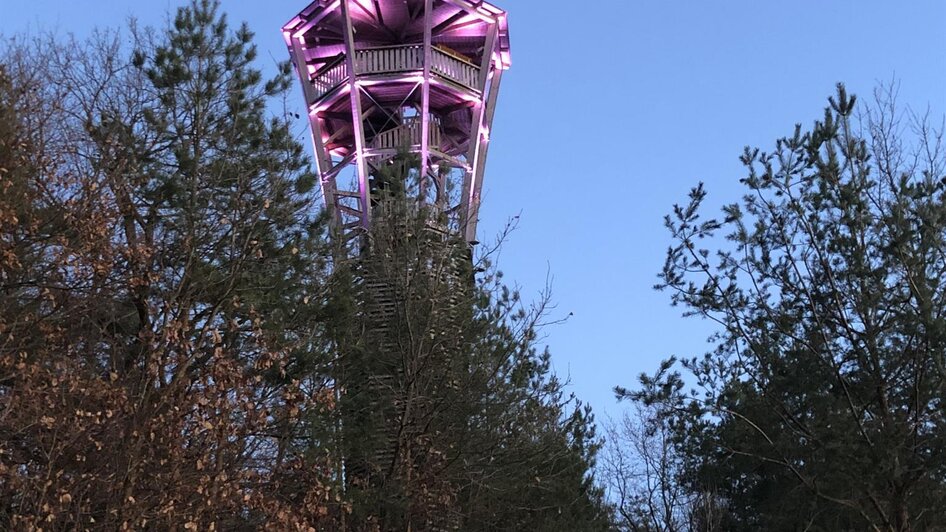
[{"x": 613, "y": 109}]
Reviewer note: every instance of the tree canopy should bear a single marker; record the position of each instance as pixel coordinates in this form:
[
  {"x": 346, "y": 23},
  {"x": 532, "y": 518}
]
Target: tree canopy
[
  {"x": 181, "y": 342},
  {"x": 821, "y": 405}
]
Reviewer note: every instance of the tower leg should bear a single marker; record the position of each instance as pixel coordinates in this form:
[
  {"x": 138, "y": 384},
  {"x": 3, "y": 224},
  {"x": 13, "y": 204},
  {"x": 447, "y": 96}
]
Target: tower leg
[
  {"x": 479, "y": 145},
  {"x": 425, "y": 100},
  {"x": 356, "y": 115}
]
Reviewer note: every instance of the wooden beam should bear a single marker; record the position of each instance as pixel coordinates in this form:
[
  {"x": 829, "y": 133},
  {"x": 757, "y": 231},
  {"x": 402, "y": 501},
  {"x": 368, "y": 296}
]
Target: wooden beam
[
  {"x": 473, "y": 7},
  {"x": 415, "y": 15},
  {"x": 338, "y": 168},
  {"x": 450, "y": 20},
  {"x": 489, "y": 47},
  {"x": 335, "y": 116},
  {"x": 322, "y": 161},
  {"x": 454, "y": 108},
  {"x": 453, "y": 140},
  {"x": 472, "y": 181},
  {"x": 356, "y": 114},
  {"x": 310, "y": 23},
  {"x": 365, "y": 10},
  {"x": 323, "y": 60},
  {"x": 339, "y": 132},
  {"x": 457, "y": 27},
  {"x": 377, "y": 9},
  {"x": 425, "y": 96},
  {"x": 376, "y": 16},
  {"x": 480, "y": 166}
]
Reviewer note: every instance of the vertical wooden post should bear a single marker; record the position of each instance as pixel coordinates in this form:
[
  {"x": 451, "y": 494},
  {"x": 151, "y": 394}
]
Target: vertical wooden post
[
  {"x": 356, "y": 116},
  {"x": 480, "y": 164},
  {"x": 425, "y": 99},
  {"x": 471, "y": 179},
  {"x": 323, "y": 162}
]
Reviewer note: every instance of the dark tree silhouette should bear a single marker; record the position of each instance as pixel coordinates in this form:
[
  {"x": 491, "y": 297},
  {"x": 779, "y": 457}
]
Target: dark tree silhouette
[{"x": 822, "y": 404}]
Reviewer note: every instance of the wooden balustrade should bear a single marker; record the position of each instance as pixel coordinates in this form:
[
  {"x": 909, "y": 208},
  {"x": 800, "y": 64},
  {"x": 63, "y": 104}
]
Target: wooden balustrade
[
  {"x": 455, "y": 69},
  {"x": 389, "y": 59},
  {"x": 330, "y": 76},
  {"x": 407, "y": 135},
  {"x": 395, "y": 59}
]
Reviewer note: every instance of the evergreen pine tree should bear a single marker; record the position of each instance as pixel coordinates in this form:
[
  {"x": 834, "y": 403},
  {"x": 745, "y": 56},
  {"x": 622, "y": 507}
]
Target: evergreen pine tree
[
  {"x": 821, "y": 406},
  {"x": 452, "y": 418},
  {"x": 162, "y": 349}
]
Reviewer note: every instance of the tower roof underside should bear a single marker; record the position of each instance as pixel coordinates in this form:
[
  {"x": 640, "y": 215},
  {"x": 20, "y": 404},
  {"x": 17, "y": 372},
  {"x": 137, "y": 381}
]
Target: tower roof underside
[{"x": 460, "y": 25}]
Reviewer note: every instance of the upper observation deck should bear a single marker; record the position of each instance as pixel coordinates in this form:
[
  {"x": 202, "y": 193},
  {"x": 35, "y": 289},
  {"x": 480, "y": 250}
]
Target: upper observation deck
[
  {"x": 388, "y": 39},
  {"x": 394, "y": 62}
]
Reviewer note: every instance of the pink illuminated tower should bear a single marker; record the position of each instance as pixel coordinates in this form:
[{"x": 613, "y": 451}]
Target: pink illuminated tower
[
  {"x": 384, "y": 76},
  {"x": 389, "y": 81}
]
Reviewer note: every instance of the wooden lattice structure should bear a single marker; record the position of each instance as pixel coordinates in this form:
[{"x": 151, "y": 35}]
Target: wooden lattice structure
[
  {"x": 384, "y": 76},
  {"x": 384, "y": 80}
]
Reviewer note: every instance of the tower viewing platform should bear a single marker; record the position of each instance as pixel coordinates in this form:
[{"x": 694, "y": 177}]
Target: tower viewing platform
[
  {"x": 382, "y": 77},
  {"x": 384, "y": 62}
]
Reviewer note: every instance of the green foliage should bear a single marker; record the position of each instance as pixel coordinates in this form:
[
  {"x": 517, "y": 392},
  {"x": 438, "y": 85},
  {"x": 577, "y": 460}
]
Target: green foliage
[
  {"x": 464, "y": 424},
  {"x": 180, "y": 347},
  {"x": 821, "y": 406},
  {"x": 162, "y": 318}
]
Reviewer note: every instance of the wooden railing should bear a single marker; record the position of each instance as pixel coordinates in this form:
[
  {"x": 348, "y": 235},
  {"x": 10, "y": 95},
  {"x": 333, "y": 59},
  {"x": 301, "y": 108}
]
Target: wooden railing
[
  {"x": 333, "y": 74},
  {"x": 389, "y": 59},
  {"x": 455, "y": 69},
  {"x": 407, "y": 135},
  {"x": 394, "y": 59}
]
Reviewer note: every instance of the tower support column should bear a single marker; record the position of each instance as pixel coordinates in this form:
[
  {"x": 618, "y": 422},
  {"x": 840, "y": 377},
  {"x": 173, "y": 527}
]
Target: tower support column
[{"x": 358, "y": 126}]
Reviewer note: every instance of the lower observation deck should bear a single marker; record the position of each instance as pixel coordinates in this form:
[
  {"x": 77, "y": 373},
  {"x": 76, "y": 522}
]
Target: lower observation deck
[
  {"x": 406, "y": 136},
  {"x": 396, "y": 60}
]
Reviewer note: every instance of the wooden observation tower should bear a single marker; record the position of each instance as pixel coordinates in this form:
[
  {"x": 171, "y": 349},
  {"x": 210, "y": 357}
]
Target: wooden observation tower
[
  {"x": 382, "y": 77},
  {"x": 388, "y": 82}
]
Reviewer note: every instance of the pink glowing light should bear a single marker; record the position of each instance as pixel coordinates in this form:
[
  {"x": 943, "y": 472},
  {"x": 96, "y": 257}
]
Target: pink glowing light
[
  {"x": 331, "y": 7},
  {"x": 470, "y": 25},
  {"x": 321, "y": 108},
  {"x": 491, "y": 9},
  {"x": 403, "y": 79},
  {"x": 487, "y": 12},
  {"x": 292, "y": 23},
  {"x": 338, "y": 87},
  {"x": 470, "y": 98},
  {"x": 365, "y": 4},
  {"x": 506, "y": 59},
  {"x": 485, "y": 18}
]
